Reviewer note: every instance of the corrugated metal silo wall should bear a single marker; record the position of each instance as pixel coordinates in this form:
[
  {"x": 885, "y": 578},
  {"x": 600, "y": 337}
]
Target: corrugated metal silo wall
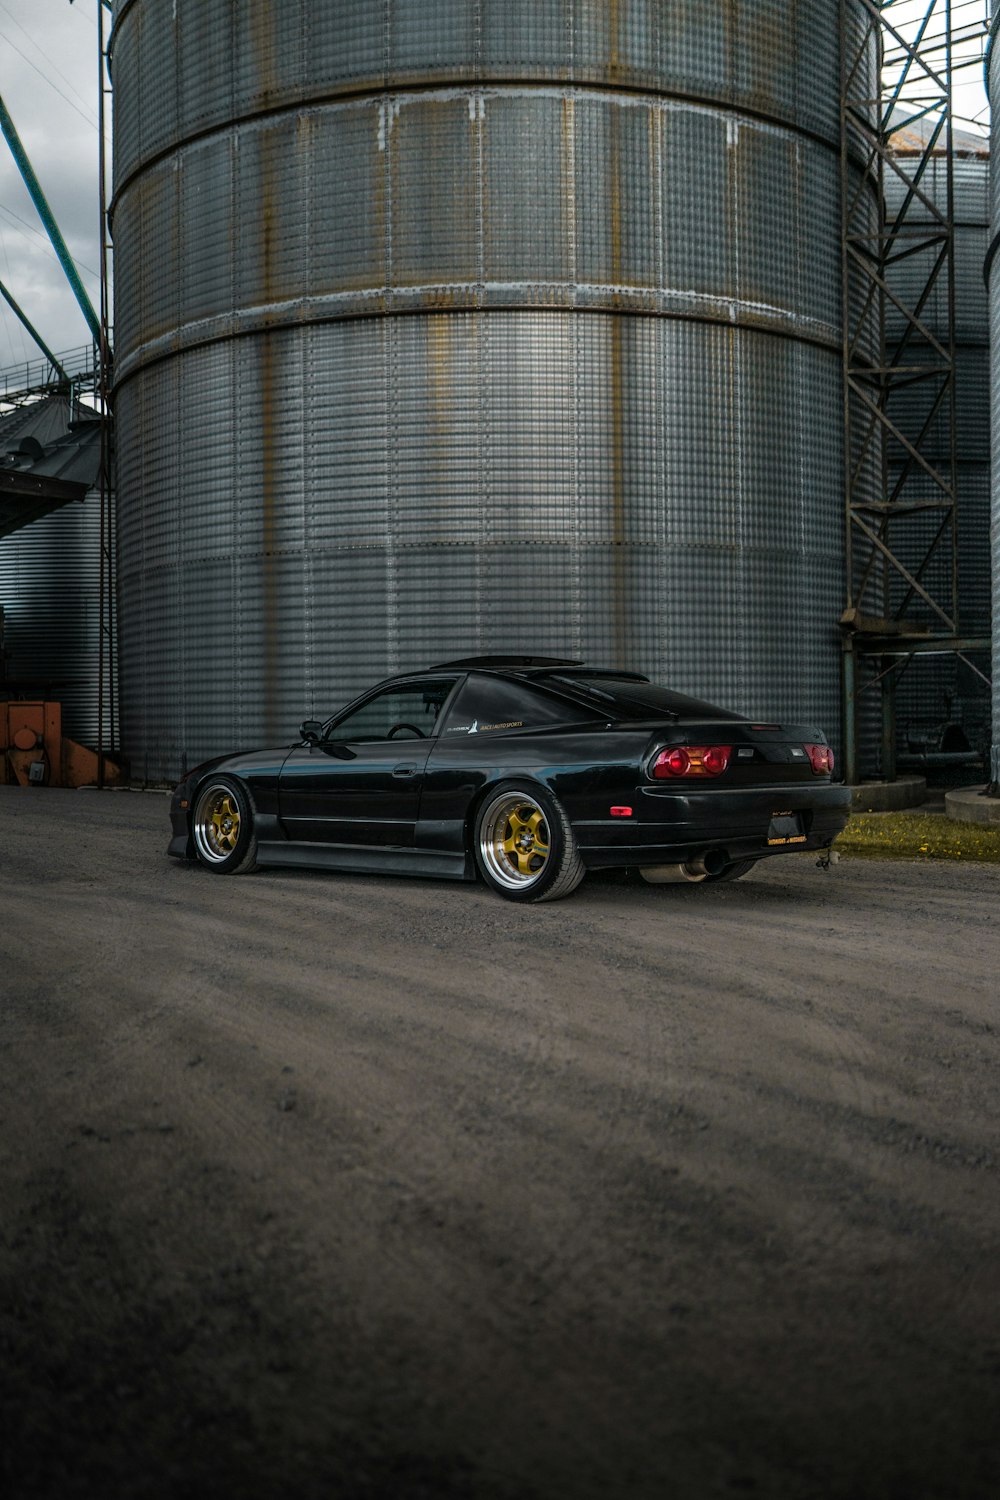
[
  {"x": 50, "y": 591},
  {"x": 458, "y": 325},
  {"x": 927, "y": 686}
]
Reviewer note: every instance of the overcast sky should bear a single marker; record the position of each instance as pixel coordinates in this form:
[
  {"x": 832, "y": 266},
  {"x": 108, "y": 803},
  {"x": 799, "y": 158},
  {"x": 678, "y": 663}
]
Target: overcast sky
[{"x": 49, "y": 81}]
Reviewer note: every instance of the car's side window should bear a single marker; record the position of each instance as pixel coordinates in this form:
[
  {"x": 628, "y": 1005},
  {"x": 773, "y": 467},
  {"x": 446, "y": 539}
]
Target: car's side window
[
  {"x": 491, "y": 705},
  {"x": 406, "y": 713}
]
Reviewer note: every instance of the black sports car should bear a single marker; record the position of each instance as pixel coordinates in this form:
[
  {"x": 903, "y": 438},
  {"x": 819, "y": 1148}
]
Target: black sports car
[{"x": 530, "y": 771}]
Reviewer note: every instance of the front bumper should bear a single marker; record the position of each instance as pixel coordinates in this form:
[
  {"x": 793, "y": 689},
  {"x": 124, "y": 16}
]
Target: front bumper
[
  {"x": 671, "y": 827},
  {"x": 181, "y": 845}
]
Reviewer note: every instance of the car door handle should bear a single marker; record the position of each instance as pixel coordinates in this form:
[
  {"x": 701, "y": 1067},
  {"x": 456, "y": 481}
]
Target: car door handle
[{"x": 407, "y": 769}]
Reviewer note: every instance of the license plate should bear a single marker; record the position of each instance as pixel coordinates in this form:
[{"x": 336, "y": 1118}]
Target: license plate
[{"x": 786, "y": 828}]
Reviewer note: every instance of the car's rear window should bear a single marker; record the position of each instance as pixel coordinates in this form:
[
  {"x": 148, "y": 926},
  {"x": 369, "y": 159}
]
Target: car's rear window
[
  {"x": 628, "y": 698},
  {"x": 494, "y": 705}
]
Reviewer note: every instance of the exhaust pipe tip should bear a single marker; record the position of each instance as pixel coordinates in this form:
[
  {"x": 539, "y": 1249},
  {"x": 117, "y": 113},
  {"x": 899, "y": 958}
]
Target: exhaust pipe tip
[{"x": 711, "y": 862}]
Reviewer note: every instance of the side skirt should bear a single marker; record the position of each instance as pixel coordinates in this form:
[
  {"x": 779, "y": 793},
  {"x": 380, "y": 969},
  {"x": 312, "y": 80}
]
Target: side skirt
[{"x": 364, "y": 861}]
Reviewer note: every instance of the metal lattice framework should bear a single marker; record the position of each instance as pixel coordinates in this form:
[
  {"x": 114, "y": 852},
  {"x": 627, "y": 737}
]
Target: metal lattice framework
[
  {"x": 76, "y": 371},
  {"x": 107, "y": 678},
  {"x": 899, "y": 401}
]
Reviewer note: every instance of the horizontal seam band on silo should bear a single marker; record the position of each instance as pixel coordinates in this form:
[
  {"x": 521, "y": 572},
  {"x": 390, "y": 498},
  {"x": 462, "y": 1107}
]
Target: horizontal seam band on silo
[
  {"x": 135, "y": 363},
  {"x": 539, "y": 538},
  {"x": 502, "y": 87}
]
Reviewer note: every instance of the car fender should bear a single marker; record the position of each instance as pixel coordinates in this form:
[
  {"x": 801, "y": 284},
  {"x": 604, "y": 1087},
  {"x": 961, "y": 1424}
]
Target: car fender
[{"x": 580, "y": 769}]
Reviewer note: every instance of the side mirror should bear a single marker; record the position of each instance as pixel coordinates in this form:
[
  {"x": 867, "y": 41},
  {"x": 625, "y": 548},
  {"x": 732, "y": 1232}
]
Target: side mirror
[{"x": 311, "y": 731}]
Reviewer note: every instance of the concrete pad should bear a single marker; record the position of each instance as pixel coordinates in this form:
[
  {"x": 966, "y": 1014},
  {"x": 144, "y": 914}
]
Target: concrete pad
[
  {"x": 888, "y": 796},
  {"x": 968, "y": 805}
]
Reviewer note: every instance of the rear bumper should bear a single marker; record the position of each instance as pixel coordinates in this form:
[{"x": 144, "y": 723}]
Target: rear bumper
[{"x": 672, "y": 827}]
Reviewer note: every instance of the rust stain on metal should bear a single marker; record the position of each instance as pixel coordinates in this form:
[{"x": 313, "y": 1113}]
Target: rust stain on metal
[
  {"x": 441, "y": 394},
  {"x": 485, "y": 229},
  {"x": 157, "y": 200},
  {"x": 774, "y": 48},
  {"x": 269, "y": 220},
  {"x": 259, "y": 24},
  {"x": 448, "y": 210},
  {"x": 615, "y": 148},
  {"x": 618, "y": 581},
  {"x": 394, "y": 197},
  {"x": 380, "y": 194},
  {"x": 268, "y": 481},
  {"x": 566, "y": 127},
  {"x": 439, "y": 361},
  {"x": 655, "y": 264},
  {"x": 567, "y": 172}
]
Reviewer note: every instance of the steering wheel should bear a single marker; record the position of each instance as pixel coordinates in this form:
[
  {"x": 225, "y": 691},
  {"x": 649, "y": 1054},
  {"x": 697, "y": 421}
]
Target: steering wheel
[{"x": 397, "y": 727}]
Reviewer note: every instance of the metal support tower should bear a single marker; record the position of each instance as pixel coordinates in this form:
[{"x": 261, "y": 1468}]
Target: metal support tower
[
  {"x": 107, "y": 674},
  {"x": 900, "y": 524}
]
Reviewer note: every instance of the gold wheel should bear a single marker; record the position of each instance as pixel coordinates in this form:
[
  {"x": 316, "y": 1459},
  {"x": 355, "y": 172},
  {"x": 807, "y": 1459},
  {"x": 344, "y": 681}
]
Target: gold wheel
[
  {"x": 514, "y": 840},
  {"x": 217, "y": 822}
]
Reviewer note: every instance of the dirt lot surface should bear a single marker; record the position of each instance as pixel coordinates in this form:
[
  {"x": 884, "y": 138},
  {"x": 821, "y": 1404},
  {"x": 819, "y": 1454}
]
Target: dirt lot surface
[{"x": 329, "y": 1186}]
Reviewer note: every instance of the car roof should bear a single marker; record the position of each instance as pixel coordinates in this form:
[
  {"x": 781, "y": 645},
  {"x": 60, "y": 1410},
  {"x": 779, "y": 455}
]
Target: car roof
[
  {"x": 578, "y": 683},
  {"x": 534, "y": 666}
]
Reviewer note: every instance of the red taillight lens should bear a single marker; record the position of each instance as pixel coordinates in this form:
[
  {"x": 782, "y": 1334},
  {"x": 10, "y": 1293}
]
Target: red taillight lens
[
  {"x": 820, "y": 758},
  {"x": 715, "y": 759},
  {"x": 692, "y": 760},
  {"x": 672, "y": 763}
]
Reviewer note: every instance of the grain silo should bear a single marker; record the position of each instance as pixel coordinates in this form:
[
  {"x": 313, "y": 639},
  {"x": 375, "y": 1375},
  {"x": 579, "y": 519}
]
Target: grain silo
[
  {"x": 942, "y": 704},
  {"x": 456, "y": 325}
]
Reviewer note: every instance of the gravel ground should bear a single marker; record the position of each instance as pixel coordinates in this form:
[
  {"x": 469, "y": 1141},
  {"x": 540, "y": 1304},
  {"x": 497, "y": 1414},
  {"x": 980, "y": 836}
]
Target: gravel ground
[{"x": 330, "y": 1186}]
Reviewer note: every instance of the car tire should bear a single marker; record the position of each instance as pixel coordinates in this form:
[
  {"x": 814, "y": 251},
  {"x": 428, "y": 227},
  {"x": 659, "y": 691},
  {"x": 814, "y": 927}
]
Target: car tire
[
  {"x": 222, "y": 827},
  {"x": 735, "y": 871},
  {"x": 524, "y": 845}
]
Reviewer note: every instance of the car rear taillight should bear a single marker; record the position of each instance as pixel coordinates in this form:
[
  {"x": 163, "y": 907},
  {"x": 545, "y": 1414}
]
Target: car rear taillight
[
  {"x": 692, "y": 760},
  {"x": 715, "y": 759},
  {"x": 820, "y": 758},
  {"x": 672, "y": 763}
]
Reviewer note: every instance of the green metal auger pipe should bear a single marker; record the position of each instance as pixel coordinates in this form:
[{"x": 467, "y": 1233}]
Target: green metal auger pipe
[
  {"x": 51, "y": 227},
  {"x": 19, "y": 313}
]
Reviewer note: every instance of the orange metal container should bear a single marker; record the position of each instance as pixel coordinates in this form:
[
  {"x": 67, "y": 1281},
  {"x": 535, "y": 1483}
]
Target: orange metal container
[{"x": 34, "y": 753}]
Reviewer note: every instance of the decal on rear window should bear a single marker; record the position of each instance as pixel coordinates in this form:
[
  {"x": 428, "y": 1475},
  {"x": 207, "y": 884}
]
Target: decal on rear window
[{"x": 494, "y": 705}]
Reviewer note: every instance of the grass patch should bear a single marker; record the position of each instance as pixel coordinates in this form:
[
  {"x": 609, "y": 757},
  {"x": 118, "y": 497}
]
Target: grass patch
[{"x": 916, "y": 835}]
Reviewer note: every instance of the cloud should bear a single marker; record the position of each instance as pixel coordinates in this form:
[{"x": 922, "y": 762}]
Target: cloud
[{"x": 49, "y": 82}]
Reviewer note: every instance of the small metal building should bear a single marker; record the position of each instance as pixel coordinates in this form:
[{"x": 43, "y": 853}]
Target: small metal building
[
  {"x": 49, "y": 559},
  {"x": 457, "y": 325}
]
